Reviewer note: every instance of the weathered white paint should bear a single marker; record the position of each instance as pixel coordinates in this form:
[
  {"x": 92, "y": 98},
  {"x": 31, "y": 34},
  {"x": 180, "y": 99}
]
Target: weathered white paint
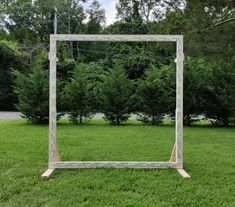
[
  {"x": 114, "y": 164},
  {"x": 179, "y": 101},
  {"x": 116, "y": 38},
  {"x": 52, "y": 104}
]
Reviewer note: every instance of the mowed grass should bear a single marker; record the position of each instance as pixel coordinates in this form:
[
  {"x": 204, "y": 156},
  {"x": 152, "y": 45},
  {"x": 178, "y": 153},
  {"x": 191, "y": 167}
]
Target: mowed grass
[{"x": 209, "y": 157}]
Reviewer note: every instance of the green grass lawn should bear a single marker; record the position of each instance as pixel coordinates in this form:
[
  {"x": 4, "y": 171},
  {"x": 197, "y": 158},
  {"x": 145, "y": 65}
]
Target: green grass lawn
[{"x": 209, "y": 157}]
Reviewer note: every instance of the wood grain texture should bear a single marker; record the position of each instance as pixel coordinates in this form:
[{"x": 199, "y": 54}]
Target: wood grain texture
[
  {"x": 52, "y": 104},
  {"x": 179, "y": 102}
]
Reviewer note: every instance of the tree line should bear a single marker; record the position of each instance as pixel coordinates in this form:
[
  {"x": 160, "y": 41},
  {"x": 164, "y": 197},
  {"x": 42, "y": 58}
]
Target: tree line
[
  {"x": 90, "y": 88},
  {"x": 141, "y": 68}
]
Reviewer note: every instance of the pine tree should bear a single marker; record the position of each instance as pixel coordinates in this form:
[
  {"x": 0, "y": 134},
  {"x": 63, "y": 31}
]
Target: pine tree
[
  {"x": 79, "y": 95},
  {"x": 115, "y": 96},
  {"x": 33, "y": 94},
  {"x": 154, "y": 96}
]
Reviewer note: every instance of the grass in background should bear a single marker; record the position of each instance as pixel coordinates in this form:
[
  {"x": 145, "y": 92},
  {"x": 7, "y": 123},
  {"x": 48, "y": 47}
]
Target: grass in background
[
  {"x": 100, "y": 141},
  {"x": 209, "y": 158}
]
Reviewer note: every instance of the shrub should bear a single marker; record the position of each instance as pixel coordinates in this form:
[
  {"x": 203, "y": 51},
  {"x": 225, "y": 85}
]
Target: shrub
[
  {"x": 154, "y": 95},
  {"x": 65, "y": 69},
  {"x": 79, "y": 94},
  {"x": 134, "y": 61},
  {"x": 208, "y": 90},
  {"x": 10, "y": 58},
  {"x": 115, "y": 95},
  {"x": 220, "y": 96},
  {"x": 197, "y": 73},
  {"x": 33, "y": 94}
]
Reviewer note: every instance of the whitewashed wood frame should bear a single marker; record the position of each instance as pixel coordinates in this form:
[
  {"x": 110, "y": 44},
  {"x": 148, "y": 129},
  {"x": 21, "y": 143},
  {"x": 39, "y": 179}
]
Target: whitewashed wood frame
[{"x": 54, "y": 160}]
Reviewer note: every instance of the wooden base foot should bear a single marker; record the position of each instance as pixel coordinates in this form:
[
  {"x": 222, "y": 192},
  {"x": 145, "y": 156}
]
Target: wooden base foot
[
  {"x": 183, "y": 173},
  {"x": 48, "y": 173}
]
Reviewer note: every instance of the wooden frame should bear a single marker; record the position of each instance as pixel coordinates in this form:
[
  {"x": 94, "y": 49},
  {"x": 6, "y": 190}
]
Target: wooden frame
[{"x": 176, "y": 160}]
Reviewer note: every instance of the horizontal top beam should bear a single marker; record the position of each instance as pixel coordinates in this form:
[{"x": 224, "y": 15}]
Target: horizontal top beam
[{"x": 116, "y": 38}]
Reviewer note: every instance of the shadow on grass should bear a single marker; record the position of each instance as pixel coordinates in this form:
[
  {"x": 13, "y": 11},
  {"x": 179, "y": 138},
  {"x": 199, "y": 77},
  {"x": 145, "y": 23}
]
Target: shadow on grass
[{"x": 103, "y": 123}]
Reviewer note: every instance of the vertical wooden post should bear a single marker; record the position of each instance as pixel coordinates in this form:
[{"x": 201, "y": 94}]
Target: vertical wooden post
[
  {"x": 179, "y": 102},
  {"x": 52, "y": 104}
]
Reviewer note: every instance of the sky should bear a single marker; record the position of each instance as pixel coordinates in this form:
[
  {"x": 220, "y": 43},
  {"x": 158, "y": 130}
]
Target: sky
[{"x": 110, "y": 11}]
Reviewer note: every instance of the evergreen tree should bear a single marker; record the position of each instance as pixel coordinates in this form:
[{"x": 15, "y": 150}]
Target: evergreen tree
[
  {"x": 79, "y": 94},
  {"x": 154, "y": 95},
  {"x": 33, "y": 94},
  {"x": 10, "y": 58},
  {"x": 115, "y": 96},
  {"x": 219, "y": 98}
]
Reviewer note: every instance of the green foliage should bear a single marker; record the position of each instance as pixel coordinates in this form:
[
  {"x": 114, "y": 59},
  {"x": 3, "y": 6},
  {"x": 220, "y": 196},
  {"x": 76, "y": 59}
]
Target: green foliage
[
  {"x": 93, "y": 51},
  {"x": 33, "y": 94},
  {"x": 115, "y": 95},
  {"x": 154, "y": 95},
  {"x": 65, "y": 69},
  {"x": 10, "y": 58},
  {"x": 42, "y": 59},
  {"x": 220, "y": 96},
  {"x": 208, "y": 87},
  {"x": 208, "y": 90},
  {"x": 197, "y": 73},
  {"x": 34, "y": 22},
  {"x": 133, "y": 58},
  {"x": 131, "y": 12},
  {"x": 96, "y": 17},
  {"x": 79, "y": 94}
]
